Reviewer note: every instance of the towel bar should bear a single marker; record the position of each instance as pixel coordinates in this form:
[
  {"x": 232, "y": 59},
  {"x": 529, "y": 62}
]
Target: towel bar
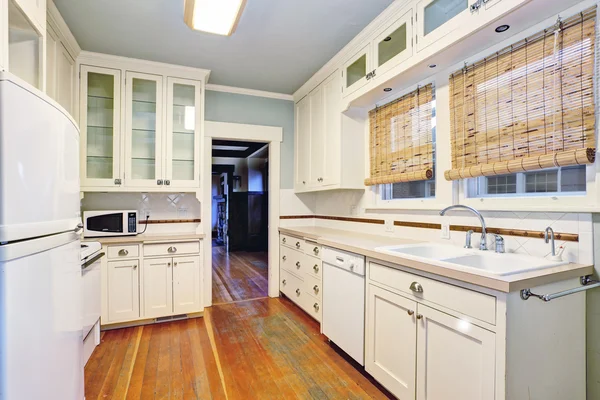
[{"x": 586, "y": 281}]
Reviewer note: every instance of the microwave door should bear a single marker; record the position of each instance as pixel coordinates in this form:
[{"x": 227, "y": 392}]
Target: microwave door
[{"x": 108, "y": 223}]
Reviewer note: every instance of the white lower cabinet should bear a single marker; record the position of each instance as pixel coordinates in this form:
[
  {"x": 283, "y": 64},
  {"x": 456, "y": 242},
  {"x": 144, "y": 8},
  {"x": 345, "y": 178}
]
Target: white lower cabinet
[
  {"x": 391, "y": 340},
  {"x": 146, "y": 281},
  {"x": 455, "y": 359},
  {"x": 123, "y": 290}
]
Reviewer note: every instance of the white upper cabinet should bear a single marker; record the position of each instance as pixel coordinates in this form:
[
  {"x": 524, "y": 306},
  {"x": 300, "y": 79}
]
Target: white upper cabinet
[
  {"x": 331, "y": 152},
  {"x": 394, "y": 44},
  {"x": 439, "y": 18},
  {"x": 317, "y": 137},
  {"x": 357, "y": 71},
  {"x": 302, "y": 144},
  {"x": 143, "y": 133},
  {"x": 182, "y": 141},
  {"x": 455, "y": 359},
  {"x": 35, "y": 10},
  {"x": 100, "y": 124}
]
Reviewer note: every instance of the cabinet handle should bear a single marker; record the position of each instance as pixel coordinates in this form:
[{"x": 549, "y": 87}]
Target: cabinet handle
[
  {"x": 117, "y": 181},
  {"x": 168, "y": 264},
  {"x": 123, "y": 252},
  {"x": 316, "y": 306},
  {"x": 316, "y": 250},
  {"x": 316, "y": 289},
  {"x": 284, "y": 281},
  {"x": 416, "y": 287},
  {"x": 298, "y": 264},
  {"x": 304, "y": 182},
  {"x": 172, "y": 249},
  {"x": 419, "y": 316},
  {"x": 283, "y": 240},
  {"x": 297, "y": 292},
  {"x": 135, "y": 266},
  {"x": 159, "y": 182},
  {"x": 411, "y": 312},
  {"x": 284, "y": 258},
  {"x": 297, "y": 245},
  {"x": 316, "y": 268}
]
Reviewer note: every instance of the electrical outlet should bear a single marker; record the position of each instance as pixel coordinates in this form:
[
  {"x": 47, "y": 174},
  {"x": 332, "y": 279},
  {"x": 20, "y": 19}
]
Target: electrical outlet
[
  {"x": 146, "y": 214},
  {"x": 182, "y": 212},
  {"x": 389, "y": 225},
  {"x": 445, "y": 231}
]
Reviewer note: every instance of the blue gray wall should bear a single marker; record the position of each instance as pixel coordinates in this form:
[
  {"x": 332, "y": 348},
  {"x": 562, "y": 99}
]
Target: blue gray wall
[{"x": 244, "y": 109}]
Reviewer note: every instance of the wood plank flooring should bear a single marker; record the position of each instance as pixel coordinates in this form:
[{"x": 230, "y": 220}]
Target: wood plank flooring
[
  {"x": 238, "y": 275},
  {"x": 258, "y": 349}
]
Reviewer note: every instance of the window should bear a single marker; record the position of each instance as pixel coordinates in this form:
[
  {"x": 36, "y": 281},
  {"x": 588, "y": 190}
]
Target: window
[
  {"x": 408, "y": 190},
  {"x": 523, "y": 119},
  {"x": 566, "y": 180}
]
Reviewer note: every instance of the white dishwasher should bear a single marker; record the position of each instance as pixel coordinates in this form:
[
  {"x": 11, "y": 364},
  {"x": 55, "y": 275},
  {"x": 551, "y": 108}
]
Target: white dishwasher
[{"x": 344, "y": 301}]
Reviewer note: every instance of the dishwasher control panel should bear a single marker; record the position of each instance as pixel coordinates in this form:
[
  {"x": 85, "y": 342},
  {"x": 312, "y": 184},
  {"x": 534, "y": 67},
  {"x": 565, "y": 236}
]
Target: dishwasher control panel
[{"x": 344, "y": 260}]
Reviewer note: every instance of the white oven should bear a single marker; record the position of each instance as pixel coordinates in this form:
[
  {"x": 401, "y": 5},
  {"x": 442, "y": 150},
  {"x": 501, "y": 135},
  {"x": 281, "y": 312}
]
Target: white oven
[{"x": 109, "y": 223}]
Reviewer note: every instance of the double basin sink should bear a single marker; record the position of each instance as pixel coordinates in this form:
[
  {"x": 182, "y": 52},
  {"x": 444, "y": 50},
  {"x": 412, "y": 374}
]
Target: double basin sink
[{"x": 470, "y": 259}]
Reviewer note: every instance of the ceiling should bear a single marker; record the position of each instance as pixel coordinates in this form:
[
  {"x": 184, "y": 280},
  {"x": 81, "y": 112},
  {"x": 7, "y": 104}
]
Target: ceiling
[
  {"x": 278, "y": 45},
  {"x": 235, "y": 149}
]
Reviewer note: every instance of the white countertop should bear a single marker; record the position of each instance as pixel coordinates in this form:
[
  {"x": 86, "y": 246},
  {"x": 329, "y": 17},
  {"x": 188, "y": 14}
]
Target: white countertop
[
  {"x": 366, "y": 244},
  {"x": 151, "y": 238}
]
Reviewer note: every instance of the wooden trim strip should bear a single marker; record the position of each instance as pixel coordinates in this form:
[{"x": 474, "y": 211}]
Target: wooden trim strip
[
  {"x": 170, "y": 221},
  {"x": 567, "y": 237}
]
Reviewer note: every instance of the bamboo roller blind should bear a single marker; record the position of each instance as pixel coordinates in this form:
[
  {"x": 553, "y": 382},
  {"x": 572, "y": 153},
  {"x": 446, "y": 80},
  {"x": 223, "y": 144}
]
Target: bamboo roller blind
[
  {"x": 528, "y": 107},
  {"x": 401, "y": 139}
]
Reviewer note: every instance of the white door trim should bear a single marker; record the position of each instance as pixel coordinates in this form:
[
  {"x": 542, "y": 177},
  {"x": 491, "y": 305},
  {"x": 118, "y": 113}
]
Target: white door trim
[{"x": 253, "y": 133}]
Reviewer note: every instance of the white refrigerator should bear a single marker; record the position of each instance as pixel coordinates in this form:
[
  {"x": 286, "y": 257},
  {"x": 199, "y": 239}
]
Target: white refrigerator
[{"x": 41, "y": 354}]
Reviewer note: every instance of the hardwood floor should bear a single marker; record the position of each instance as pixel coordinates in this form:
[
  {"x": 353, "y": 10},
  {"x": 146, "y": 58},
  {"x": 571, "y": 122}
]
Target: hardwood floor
[
  {"x": 238, "y": 275},
  {"x": 258, "y": 349}
]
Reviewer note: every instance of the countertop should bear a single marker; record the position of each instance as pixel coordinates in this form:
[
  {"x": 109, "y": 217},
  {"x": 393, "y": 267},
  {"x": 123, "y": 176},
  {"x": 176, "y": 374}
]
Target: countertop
[
  {"x": 365, "y": 245},
  {"x": 146, "y": 238}
]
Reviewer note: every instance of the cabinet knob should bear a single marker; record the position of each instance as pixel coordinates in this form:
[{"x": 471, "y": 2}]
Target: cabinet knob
[
  {"x": 175, "y": 264},
  {"x": 304, "y": 182},
  {"x": 316, "y": 250},
  {"x": 416, "y": 287},
  {"x": 135, "y": 266},
  {"x": 297, "y": 245},
  {"x": 411, "y": 312},
  {"x": 284, "y": 258},
  {"x": 172, "y": 249},
  {"x": 284, "y": 281},
  {"x": 117, "y": 181},
  {"x": 419, "y": 316},
  {"x": 316, "y": 306},
  {"x": 283, "y": 240},
  {"x": 316, "y": 289},
  {"x": 168, "y": 182},
  {"x": 123, "y": 252},
  {"x": 298, "y": 264},
  {"x": 316, "y": 268},
  {"x": 297, "y": 292},
  {"x": 159, "y": 182}
]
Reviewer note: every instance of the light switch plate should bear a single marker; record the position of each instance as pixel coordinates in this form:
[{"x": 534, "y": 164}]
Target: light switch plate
[
  {"x": 389, "y": 225},
  {"x": 445, "y": 231}
]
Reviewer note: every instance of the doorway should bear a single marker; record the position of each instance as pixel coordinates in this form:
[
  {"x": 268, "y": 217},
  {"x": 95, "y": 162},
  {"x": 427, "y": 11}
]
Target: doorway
[{"x": 239, "y": 220}]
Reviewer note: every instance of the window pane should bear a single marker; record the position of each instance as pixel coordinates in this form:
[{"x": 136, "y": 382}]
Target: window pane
[
  {"x": 409, "y": 190},
  {"x": 541, "y": 181},
  {"x": 572, "y": 179},
  {"x": 502, "y": 184}
]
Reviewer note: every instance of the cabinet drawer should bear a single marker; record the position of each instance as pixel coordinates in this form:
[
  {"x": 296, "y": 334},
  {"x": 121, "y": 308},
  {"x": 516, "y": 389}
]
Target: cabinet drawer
[
  {"x": 171, "y": 249},
  {"x": 293, "y": 242},
  {"x": 311, "y": 305},
  {"x": 313, "y": 266},
  {"x": 312, "y": 249},
  {"x": 292, "y": 261},
  {"x": 313, "y": 286},
  {"x": 475, "y": 304},
  {"x": 125, "y": 251},
  {"x": 291, "y": 286}
]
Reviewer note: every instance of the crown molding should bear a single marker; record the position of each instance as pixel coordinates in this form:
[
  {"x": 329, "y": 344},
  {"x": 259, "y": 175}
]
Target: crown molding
[{"x": 249, "y": 92}]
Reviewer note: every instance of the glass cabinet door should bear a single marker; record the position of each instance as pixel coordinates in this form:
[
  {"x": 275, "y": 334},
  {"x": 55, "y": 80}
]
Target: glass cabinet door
[
  {"x": 356, "y": 70},
  {"x": 99, "y": 122},
  {"x": 144, "y": 122},
  {"x": 183, "y": 133},
  {"x": 393, "y": 45},
  {"x": 438, "y": 18}
]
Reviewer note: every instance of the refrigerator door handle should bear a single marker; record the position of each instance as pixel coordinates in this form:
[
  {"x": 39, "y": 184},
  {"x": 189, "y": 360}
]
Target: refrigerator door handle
[{"x": 78, "y": 229}]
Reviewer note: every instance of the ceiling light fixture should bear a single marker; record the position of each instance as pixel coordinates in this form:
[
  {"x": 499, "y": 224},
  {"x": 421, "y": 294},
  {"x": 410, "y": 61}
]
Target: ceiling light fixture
[
  {"x": 387, "y": 89},
  {"x": 502, "y": 28},
  {"x": 213, "y": 16}
]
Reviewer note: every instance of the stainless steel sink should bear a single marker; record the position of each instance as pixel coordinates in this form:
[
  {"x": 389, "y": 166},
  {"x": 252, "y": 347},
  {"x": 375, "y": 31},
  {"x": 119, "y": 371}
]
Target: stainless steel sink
[{"x": 470, "y": 259}]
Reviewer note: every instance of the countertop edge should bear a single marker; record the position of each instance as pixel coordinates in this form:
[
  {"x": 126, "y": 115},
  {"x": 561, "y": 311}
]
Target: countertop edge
[{"x": 146, "y": 239}]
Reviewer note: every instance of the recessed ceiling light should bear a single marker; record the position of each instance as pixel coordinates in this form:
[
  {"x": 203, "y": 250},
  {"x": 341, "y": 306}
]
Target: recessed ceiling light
[
  {"x": 502, "y": 28},
  {"x": 432, "y": 65},
  {"x": 218, "y": 17},
  {"x": 387, "y": 89}
]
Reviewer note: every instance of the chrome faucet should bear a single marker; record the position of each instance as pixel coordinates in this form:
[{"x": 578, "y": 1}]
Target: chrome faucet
[
  {"x": 483, "y": 243},
  {"x": 468, "y": 239},
  {"x": 549, "y": 238}
]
